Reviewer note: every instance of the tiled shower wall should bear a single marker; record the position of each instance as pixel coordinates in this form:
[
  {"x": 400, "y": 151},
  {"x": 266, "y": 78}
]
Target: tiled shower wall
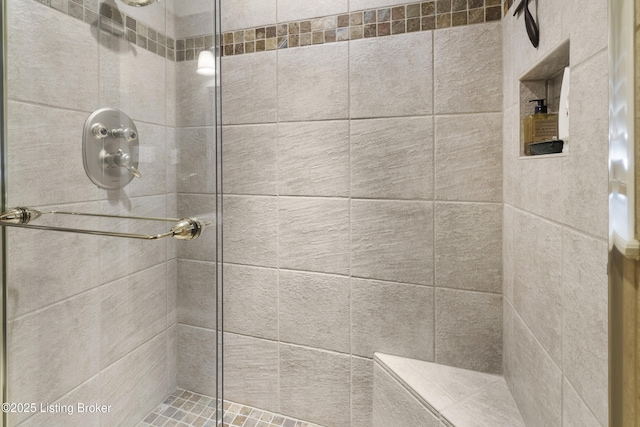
[
  {"x": 555, "y": 230},
  {"x": 362, "y": 211},
  {"x": 91, "y": 319}
]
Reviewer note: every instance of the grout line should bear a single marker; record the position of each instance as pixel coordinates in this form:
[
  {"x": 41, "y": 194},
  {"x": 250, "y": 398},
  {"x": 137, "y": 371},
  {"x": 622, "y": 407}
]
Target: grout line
[
  {"x": 350, "y": 195},
  {"x": 348, "y": 277},
  {"x": 85, "y": 291},
  {"x": 433, "y": 185},
  {"x": 557, "y": 223},
  {"x": 278, "y": 201},
  {"x": 354, "y": 119}
]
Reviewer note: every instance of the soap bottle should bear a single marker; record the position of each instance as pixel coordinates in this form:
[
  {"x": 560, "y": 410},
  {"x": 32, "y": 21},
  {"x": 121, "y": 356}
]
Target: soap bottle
[{"x": 540, "y": 126}]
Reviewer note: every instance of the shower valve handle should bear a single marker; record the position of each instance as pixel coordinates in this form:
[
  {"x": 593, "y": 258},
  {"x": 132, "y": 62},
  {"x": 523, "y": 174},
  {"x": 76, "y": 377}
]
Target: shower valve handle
[
  {"x": 123, "y": 160},
  {"x": 125, "y": 133}
]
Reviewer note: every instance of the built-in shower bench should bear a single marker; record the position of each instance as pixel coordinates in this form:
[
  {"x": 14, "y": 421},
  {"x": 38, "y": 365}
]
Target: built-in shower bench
[{"x": 413, "y": 393}]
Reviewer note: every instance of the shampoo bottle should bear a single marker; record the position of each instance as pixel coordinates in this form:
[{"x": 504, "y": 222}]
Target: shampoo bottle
[{"x": 540, "y": 126}]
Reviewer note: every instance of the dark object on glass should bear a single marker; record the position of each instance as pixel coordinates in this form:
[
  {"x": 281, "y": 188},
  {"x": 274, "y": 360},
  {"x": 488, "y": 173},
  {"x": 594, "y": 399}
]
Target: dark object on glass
[{"x": 529, "y": 22}]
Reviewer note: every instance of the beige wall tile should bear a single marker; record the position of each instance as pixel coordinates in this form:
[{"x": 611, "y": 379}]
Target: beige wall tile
[
  {"x": 313, "y": 158},
  {"x": 396, "y": 83},
  {"x": 392, "y": 318},
  {"x": 314, "y": 385},
  {"x": 461, "y": 85},
  {"x": 195, "y": 105},
  {"x": 536, "y": 187},
  {"x": 314, "y": 310},
  {"x": 87, "y": 392},
  {"x": 196, "y": 293},
  {"x": 468, "y": 157},
  {"x": 394, "y": 406},
  {"x": 172, "y": 292},
  {"x": 35, "y": 341},
  {"x": 172, "y": 358},
  {"x": 313, "y": 82},
  {"x": 171, "y": 93},
  {"x": 196, "y": 160},
  {"x": 535, "y": 380},
  {"x": 508, "y": 252},
  {"x": 192, "y": 17},
  {"x": 152, "y": 162},
  {"x": 510, "y": 78},
  {"x": 196, "y": 359},
  {"x": 469, "y": 330},
  {"x": 585, "y": 333},
  {"x": 575, "y": 413},
  {"x": 250, "y": 88},
  {"x": 551, "y": 15},
  {"x": 250, "y": 230},
  {"x": 35, "y": 76},
  {"x": 537, "y": 288},
  {"x": 587, "y": 24},
  {"x": 361, "y": 392},
  {"x": 392, "y": 158},
  {"x": 172, "y": 159},
  {"x": 392, "y": 241},
  {"x": 250, "y": 159},
  {"x": 238, "y": 14},
  {"x": 251, "y": 301},
  {"x": 313, "y": 234},
  {"x": 585, "y": 172},
  {"x": 132, "y": 310},
  {"x": 121, "y": 257},
  {"x": 60, "y": 274},
  {"x": 510, "y": 152},
  {"x": 251, "y": 371},
  {"x": 468, "y": 246},
  {"x": 132, "y": 80},
  {"x": 292, "y": 10},
  {"x": 143, "y": 374},
  {"x": 30, "y": 153},
  {"x": 508, "y": 343}
]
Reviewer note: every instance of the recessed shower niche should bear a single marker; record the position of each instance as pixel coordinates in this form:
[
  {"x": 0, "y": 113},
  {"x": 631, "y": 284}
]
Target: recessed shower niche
[{"x": 544, "y": 110}]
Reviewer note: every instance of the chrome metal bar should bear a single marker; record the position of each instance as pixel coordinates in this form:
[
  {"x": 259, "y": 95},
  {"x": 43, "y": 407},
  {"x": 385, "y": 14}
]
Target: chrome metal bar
[
  {"x": 183, "y": 229},
  {"x": 144, "y": 218},
  {"x": 93, "y": 232}
]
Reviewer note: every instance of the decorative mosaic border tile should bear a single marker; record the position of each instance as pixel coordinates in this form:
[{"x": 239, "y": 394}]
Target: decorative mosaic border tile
[
  {"x": 188, "y": 409},
  {"x": 379, "y": 22},
  {"x": 117, "y": 23}
]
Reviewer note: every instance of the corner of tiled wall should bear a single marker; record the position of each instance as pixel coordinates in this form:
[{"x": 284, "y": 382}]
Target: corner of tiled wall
[{"x": 555, "y": 230}]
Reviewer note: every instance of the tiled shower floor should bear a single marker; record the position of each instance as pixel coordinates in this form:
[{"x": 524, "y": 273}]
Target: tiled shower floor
[{"x": 187, "y": 409}]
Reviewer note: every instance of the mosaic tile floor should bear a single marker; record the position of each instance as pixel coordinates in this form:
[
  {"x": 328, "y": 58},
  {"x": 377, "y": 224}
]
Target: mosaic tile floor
[{"x": 187, "y": 409}]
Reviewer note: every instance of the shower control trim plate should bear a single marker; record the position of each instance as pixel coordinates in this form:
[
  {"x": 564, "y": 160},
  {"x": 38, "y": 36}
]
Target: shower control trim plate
[{"x": 110, "y": 149}]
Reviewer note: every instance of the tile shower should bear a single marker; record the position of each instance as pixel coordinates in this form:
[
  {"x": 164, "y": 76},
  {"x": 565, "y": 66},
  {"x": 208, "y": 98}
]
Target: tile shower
[{"x": 373, "y": 201}]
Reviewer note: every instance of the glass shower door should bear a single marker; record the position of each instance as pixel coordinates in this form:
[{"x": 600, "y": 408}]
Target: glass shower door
[{"x": 105, "y": 117}]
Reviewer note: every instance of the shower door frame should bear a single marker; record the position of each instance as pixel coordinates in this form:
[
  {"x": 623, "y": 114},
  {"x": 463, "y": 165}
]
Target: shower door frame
[
  {"x": 217, "y": 279},
  {"x": 624, "y": 213},
  {"x": 3, "y": 206}
]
